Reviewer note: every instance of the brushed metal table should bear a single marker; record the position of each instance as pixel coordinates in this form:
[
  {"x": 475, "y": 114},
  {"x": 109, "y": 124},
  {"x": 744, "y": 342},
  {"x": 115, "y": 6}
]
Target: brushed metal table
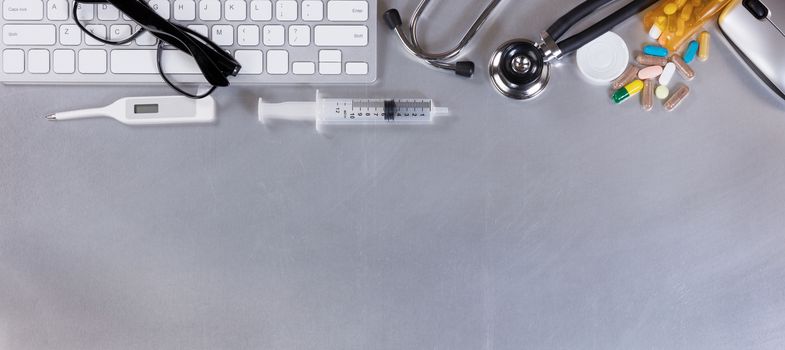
[{"x": 559, "y": 223}]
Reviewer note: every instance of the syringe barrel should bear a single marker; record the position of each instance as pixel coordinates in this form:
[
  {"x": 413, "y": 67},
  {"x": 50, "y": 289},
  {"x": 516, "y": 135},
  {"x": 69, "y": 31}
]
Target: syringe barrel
[{"x": 376, "y": 111}]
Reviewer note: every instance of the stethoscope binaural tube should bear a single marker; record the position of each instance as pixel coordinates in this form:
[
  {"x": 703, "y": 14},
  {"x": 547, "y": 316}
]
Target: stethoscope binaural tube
[
  {"x": 443, "y": 60},
  {"x": 533, "y": 60}
]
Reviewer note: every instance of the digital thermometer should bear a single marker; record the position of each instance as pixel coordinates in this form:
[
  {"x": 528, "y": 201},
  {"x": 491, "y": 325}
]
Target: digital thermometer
[{"x": 157, "y": 110}]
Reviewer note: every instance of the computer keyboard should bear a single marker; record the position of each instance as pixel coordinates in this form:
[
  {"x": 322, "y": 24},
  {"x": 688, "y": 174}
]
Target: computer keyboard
[{"x": 277, "y": 42}]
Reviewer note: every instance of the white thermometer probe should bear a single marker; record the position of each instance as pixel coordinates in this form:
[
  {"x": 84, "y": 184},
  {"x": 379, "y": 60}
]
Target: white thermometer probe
[{"x": 156, "y": 110}]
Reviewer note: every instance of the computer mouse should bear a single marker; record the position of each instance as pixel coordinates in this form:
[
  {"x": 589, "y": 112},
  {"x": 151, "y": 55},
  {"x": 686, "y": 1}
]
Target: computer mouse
[{"x": 754, "y": 28}]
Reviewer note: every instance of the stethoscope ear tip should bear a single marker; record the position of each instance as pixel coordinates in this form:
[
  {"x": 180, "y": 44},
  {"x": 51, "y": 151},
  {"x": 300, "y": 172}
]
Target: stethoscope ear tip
[
  {"x": 464, "y": 68},
  {"x": 393, "y": 18}
]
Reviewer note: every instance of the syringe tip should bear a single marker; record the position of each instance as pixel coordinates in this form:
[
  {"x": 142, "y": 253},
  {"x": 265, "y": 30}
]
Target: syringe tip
[{"x": 51, "y": 117}]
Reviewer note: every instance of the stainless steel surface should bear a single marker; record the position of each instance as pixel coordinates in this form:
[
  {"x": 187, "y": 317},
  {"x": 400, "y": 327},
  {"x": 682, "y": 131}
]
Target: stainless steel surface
[
  {"x": 560, "y": 223},
  {"x": 411, "y": 42},
  {"x": 760, "y": 41}
]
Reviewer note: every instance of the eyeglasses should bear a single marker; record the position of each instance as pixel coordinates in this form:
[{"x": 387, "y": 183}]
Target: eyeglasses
[{"x": 215, "y": 64}]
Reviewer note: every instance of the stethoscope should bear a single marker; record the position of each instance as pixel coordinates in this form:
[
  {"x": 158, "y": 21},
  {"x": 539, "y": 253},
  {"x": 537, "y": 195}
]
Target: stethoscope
[
  {"x": 443, "y": 60},
  {"x": 520, "y": 68}
]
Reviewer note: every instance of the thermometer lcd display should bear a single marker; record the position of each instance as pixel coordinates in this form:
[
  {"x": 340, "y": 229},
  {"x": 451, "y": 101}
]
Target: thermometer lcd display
[{"x": 146, "y": 109}]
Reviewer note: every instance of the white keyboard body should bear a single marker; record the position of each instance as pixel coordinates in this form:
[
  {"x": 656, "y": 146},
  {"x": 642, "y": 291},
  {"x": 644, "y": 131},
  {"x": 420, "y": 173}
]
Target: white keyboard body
[{"x": 276, "y": 41}]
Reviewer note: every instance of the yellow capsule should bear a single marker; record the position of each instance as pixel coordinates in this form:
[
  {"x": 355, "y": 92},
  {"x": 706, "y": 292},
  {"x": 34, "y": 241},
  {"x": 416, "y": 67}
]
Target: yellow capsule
[
  {"x": 670, "y": 8},
  {"x": 680, "y": 3},
  {"x": 628, "y": 91},
  {"x": 705, "y": 41},
  {"x": 681, "y": 26},
  {"x": 662, "y": 21},
  {"x": 686, "y": 12}
]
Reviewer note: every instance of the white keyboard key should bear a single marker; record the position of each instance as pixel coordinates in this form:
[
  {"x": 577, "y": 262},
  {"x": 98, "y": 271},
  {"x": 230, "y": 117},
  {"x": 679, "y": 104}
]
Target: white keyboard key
[
  {"x": 277, "y": 62},
  {"x": 299, "y": 35},
  {"x": 38, "y": 61},
  {"x": 57, "y": 10},
  {"x": 286, "y": 10},
  {"x": 146, "y": 39},
  {"x": 223, "y": 35},
  {"x": 200, "y": 28},
  {"x": 330, "y": 56},
  {"x": 13, "y": 61},
  {"x": 303, "y": 68},
  {"x": 235, "y": 10},
  {"x": 134, "y": 61},
  {"x": 210, "y": 10},
  {"x": 92, "y": 61},
  {"x": 313, "y": 11},
  {"x": 23, "y": 10},
  {"x": 70, "y": 35},
  {"x": 99, "y": 30},
  {"x": 328, "y": 35},
  {"x": 64, "y": 62},
  {"x": 274, "y": 35},
  {"x": 347, "y": 11},
  {"x": 107, "y": 12},
  {"x": 85, "y": 12},
  {"x": 261, "y": 10},
  {"x": 144, "y": 62},
  {"x": 29, "y": 34},
  {"x": 248, "y": 35},
  {"x": 119, "y": 32},
  {"x": 177, "y": 62},
  {"x": 184, "y": 10},
  {"x": 251, "y": 60},
  {"x": 162, "y": 8},
  {"x": 357, "y": 68},
  {"x": 330, "y": 68}
]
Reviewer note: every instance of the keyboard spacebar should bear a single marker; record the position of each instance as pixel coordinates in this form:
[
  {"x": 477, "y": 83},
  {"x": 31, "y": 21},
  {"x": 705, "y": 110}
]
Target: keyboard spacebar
[{"x": 144, "y": 62}]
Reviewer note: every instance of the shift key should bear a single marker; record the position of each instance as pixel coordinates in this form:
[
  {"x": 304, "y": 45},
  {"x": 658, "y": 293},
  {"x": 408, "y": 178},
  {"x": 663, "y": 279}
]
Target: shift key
[
  {"x": 29, "y": 34},
  {"x": 328, "y": 35}
]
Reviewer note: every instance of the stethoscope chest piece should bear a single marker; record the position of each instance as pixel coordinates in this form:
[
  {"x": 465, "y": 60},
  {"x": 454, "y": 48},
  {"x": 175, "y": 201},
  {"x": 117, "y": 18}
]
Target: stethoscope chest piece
[{"x": 518, "y": 69}]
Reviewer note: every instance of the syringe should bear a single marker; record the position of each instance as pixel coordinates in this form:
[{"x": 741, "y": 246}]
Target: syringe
[{"x": 347, "y": 111}]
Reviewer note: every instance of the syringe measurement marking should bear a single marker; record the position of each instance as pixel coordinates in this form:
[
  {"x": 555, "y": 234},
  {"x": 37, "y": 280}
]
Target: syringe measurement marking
[{"x": 403, "y": 108}]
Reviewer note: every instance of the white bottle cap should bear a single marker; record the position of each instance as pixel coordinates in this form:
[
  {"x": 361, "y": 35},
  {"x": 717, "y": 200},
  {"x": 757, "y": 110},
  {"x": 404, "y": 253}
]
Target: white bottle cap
[{"x": 604, "y": 59}]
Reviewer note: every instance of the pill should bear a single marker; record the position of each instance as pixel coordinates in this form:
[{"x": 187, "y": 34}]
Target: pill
[
  {"x": 647, "y": 97},
  {"x": 654, "y": 50},
  {"x": 686, "y": 12},
  {"x": 704, "y": 41},
  {"x": 691, "y": 52},
  {"x": 655, "y": 31},
  {"x": 628, "y": 91},
  {"x": 662, "y": 92},
  {"x": 681, "y": 26},
  {"x": 648, "y": 60},
  {"x": 683, "y": 68},
  {"x": 677, "y": 98},
  {"x": 630, "y": 74},
  {"x": 667, "y": 73},
  {"x": 680, "y": 3},
  {"x": 663, "y": 40},
  {"x": 662, "y": 21},
  {"x": 670, "y": 8},
  {"x": 650, "y": 72}
]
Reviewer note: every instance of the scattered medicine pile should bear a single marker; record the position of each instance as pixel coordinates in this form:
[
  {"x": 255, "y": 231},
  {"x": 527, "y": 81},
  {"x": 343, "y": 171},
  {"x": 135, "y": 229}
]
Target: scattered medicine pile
[{"x": 670, "y": 23}]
